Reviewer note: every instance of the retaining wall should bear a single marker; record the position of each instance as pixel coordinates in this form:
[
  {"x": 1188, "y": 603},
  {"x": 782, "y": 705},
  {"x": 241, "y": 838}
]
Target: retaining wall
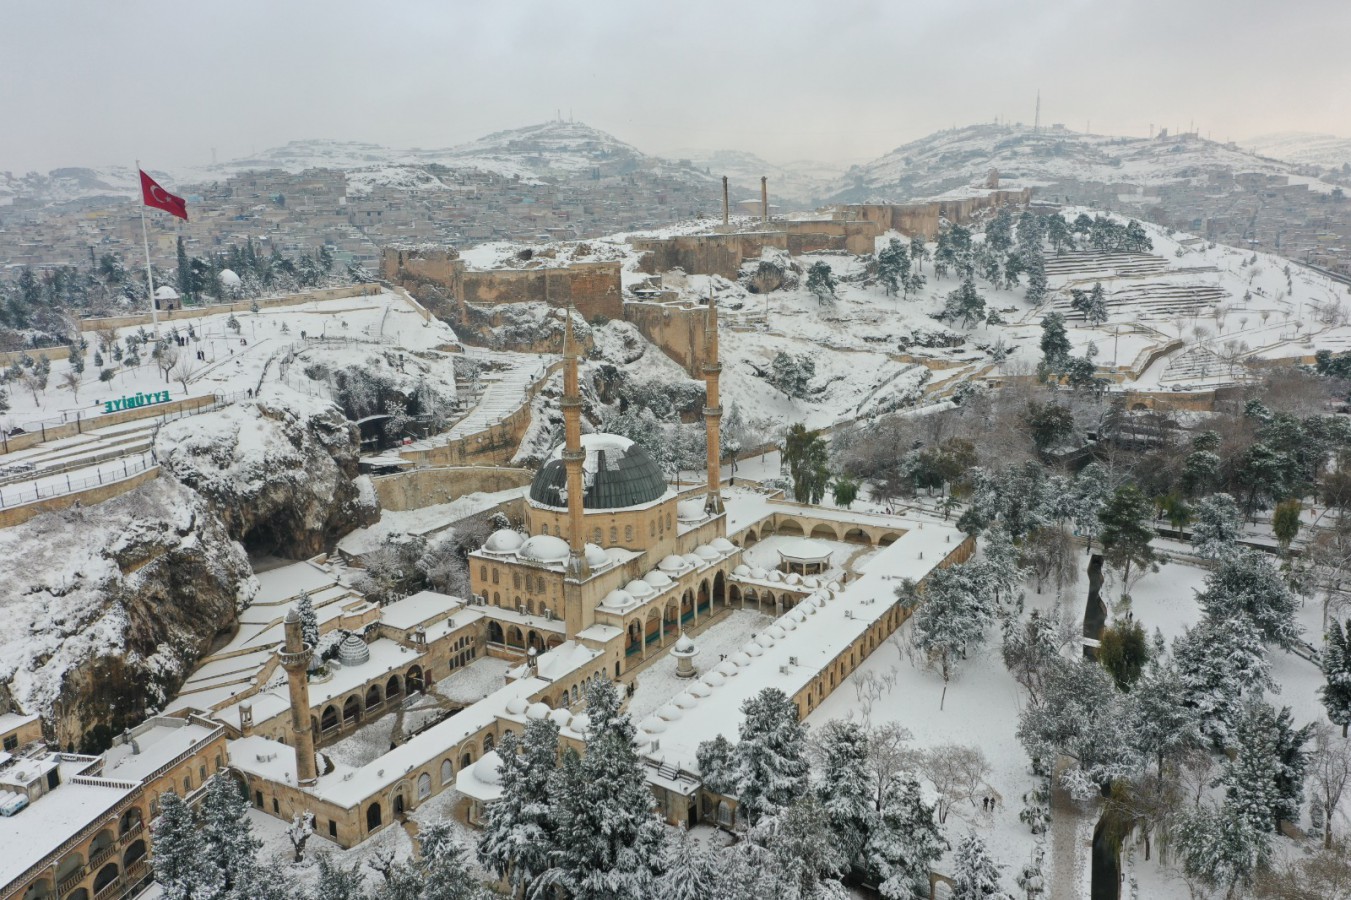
[
  {"x": 80, "y": 425},
  {"x": 17, "y": 515},
  {"x": 442, "y": 484}
]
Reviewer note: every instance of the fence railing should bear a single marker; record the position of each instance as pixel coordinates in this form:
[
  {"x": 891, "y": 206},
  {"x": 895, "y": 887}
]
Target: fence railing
[{"x": 21, "y": 494}]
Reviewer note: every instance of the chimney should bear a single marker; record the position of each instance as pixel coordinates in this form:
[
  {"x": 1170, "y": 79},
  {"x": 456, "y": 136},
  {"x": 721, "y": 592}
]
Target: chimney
[
  {"x": 764, "y": 198},
  {"x": 725, "y": 210}
]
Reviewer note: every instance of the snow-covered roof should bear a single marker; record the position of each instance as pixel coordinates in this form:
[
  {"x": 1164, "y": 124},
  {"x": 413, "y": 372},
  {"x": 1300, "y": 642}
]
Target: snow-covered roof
[
  {"x": 805, "y": 550},
  {"x": 151, "y": 746},
  {"x": 417, "y": 609}
]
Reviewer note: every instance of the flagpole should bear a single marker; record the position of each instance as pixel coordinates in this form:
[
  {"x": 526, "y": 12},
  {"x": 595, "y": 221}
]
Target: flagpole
[{"x": 149, "y": 274}]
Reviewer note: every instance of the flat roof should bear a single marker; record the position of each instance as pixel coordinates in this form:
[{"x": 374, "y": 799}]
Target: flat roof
[
  {"x": 416, "y": 609},
  {"x": 155, "y": 747}
]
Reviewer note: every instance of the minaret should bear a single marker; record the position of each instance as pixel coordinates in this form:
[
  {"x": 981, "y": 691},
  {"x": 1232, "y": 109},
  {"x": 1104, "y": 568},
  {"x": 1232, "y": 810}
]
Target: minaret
[
  {"x": 712, "y": 409},
  {"x": 295, "y": 659},
  {"x": 573, "y": 455}
]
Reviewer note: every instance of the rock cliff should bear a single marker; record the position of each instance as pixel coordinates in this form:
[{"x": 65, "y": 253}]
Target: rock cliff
[
  {"x": 109, "y": 607},
  {"x": 280, "y": 471}
]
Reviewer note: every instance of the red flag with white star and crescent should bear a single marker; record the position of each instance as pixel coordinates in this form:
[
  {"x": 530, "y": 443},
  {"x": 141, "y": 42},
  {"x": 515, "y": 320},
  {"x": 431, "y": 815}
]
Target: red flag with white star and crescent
[{"x": 158, "y": 197}]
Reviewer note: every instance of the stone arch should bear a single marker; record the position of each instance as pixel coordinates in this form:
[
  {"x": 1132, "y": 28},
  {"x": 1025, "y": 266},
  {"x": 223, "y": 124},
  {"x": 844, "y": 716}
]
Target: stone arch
[
  {"x": 515, "y": 639},
  {"x": 495, "y": 634},
  {"x": 414, "y": 679},
  {"x": 351, "y": 710},
  {"x": 329, "y": 720},
  {"x": 652, "y": 627},
  {"x": 888, "y": 538},
  {"x": 466, "y": 758},
  {"x": 857, "y": 536},
  {"x": 398, "y": 799},
  {"x": 633, "y": 640},
  {"x": 373, "y": 816},
  {"x": 70, "y": 865},
  {"x": 553, "y": 641},
  {"x": 39, "y": 890},
  {"x": 720, "y": 587},
  {"x": 106, "y": 876},
  {"x": 789, "y": 527},
  {"x": 130, "y": 819},
  {"x": 750, "y": 595},
  {"x": 750, "y": 539},
  {"x": 826, "y": 532},
  {"x": 134, "y": 852},
  {"x": 373, "y": 696},
  {"x": 78, "y": 894},
  {"x": 733, "y": 594},
  {"x": 447, "y": 773},
  {"x": 102, "y": 841},
  {"x": 534, "y": 640}
]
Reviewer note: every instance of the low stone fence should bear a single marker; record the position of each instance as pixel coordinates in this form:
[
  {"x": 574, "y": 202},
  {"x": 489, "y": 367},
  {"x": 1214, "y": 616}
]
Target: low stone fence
[{"x": 17, "y": 515}]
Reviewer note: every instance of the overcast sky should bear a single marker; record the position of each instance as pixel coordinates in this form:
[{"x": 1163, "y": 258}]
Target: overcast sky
[{"x": 97, "y": 82}]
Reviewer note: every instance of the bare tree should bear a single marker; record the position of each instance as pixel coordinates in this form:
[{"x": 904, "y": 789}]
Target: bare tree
[
  {"x": 890, "y": 758},
  {"x": 70, "y": 380},
  {"x": 183, "y": 370},
  {"x": 957, "y": 773},
  {"x": 166, "y": 357},
  {"x": 1329, "y": 773}
]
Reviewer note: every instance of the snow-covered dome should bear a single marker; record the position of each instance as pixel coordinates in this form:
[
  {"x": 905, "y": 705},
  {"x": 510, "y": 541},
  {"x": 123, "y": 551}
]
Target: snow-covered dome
[
  {"x": 726, "y": 667},
  {"x": 774, "y": 575},
  {"x": 618, "y": 599},
  {"x": 228, "y": 278},
  {"x": 670, "y": 713},
  {"x": 673, "y": 563},
  {"x": 544, "y": 548},
  {"x": 618, "y": 473},
  {"x": 742, "y": 570},
  {"x": 700, "y": 689},
  {"x": 595, "y": 556},
  {"x": 560, "y": 717},
  {"x": 652, "y": 725},
  {"x": 517, "y": 706},
  {"x": 715, "y": 679},
  {"x": 741, "y": 659},
  {"x": 657, "y": 579},
  {"x": 580, "y": 723},
  {"x": 353, "y": 651},
  {"x": 537, "y": 711},
  {"x": 504, "y": 540},
  {"x": 793, "y": 578},
  {"x": 722, "y": 545},
  {"x": 164, "y": 292},
  {"x": 753, "y": 649},
  {"x": 683, "y": 644},
  {"x": 692, "y": 561},
  {"x": 706, "y": 551},
  {"x": 686, "y": 701},
  {"x": 789, "y": 623},
  {"x": 804, "y": 550},
  {"x": 776, "y": 632},
  {"x": 764, "y": 640},
  {"x": 639, "y": 588},
  {"x": 757, "y": 572},
  {"x": 811, "y": 581},
  {"x": 834, "y": 585},
  {"x": 489, "y": 768},
  {"x": 690, "y": 510}
]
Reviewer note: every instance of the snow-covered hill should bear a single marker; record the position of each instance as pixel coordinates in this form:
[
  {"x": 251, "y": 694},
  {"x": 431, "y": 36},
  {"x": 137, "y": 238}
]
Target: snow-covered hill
[
  {"x": 960, "y": 158},
  {"x": 1303, "y": 148},
  {"x": 72, "y": 184},
  {"x": 799, "y": 183}
]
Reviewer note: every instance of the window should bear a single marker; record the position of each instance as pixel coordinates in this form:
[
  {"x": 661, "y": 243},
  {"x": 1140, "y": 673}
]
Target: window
[
  {"x": 276, "y": 807},
  {"x": 332, "y": 828},
  {"x": 201, "y": 772},
  {"x": 494, "y": 576},
  {"x": 11, "y": 742},
  {"x": 257, "y": 799},
  {"x": 614, "y": 535},
  {"x": 596, "y": 539},
  {"x": 516, "y": 580},
  {"x": 187, "y": 783},
  {"x": 483, "y": 573},
  {"x": 652, "y": 529},
  {"x": 628, "y": 534}
]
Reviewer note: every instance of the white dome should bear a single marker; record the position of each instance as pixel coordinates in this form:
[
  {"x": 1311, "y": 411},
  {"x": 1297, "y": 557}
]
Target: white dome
[
  {"x": 741, "y": 660},
  {"x": 517, "y": 705},
  {"x": 639, "y": 588},
  {"x": 811, "y": 581},
  {"x": 722, "y": 545},
  {"x": 669, "y": 713},
  {"x": 595, "y": 556},
  {"x": 618, "y": 599},
  {"x": 685, "y": 701},
  {"x": 164, "y": 292},
  {"x": 753, "y": 649},
  {"x": 701, "y": 690},
  {"x": 690, "y": 510},
  {"x": 834, "y": 585},
  {"x": 775, "y": 632},
  {"x": 560, "y": 717},
  {"x": 774, "y": 575},
  {"x": 652, "y": 725},
  {"x": 684, "y": 644},
  {"x": 705, "y": 551},
  {"x": 793, "y": 578},
  {"x": 544, "y": 548},
  {"x": 757, "y": 572},
  {"x": 657, "y": 580},
  {"x": 489, "y": 768},
  {"x": 580, "y": 723},
  {"x": 742, "y": 570},
  {"x": 504, "y": 540},
  {"x": 726, "y": 667},
  {"x": 789, "y": 623},
  {"x": 693, "y": 561},
  {"x": 228, "y": 278},
  {"x": 673, "y": 563},
  {"x": 537, "y": 711},
  {"x": 715, "y": 679},
  {"x": 764, "y": 640}
]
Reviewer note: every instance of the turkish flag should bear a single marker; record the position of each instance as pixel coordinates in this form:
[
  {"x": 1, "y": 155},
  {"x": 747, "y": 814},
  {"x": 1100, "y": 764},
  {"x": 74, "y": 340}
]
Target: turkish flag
[{"x": 158, "y": 197}]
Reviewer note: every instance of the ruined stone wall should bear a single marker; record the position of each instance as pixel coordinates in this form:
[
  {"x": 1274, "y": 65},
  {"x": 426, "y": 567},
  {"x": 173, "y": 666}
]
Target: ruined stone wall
[
  {"x": 442, "y": 484},
  {"x": 594, "y": 288},
  {"x": 677, "y": 330},
  {"x": 923, "y": 218}
]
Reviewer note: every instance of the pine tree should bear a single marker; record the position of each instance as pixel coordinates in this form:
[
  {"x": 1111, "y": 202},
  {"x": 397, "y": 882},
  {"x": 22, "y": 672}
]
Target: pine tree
[
  {"x": 309, "y": 621},
  {"x": 964, "y": 304},
  {"x": 714, "y": 758},
  {"x": 975, "y": 875},
  {"x": 1095, "y": 310},
  {"x": 1216, "y": 529},
  {"x": 893, "y": 265},
  {"x": 952, "y": 620},
  {"x": 808, "y": 857},
  {"x": 1161, "y": 724},
  {"x": 903, "y": 843},
  {"x": 1218, "y": 848},
  {"x": 919, "y": 252},
  {"x": 338, "y": 882},
  {"x": 1336, "y": 665},
  {"x": 445, "y": 867},
  {"x": 1055, "y": 342},
  {"x": 608, "y": 844},
  {"x": 691, "y": 871},
  {"x": 770, "y": 761},
  {"x": 228, "y": 833},
  {"x": 842, "y": 784},
  {"x": 1219, "y": 662},
  {"x": 183, "y": 867},
  {"x": 1034, "y": 264},
  {"x": 821, "y": 282},
  {"x": 1248, "y": 584},
  {"x": 518, "y": 832},
  {"x": 1125, "y": 535}
]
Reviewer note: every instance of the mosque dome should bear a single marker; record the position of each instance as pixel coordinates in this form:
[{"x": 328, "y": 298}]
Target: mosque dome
[
  {"x": 544, "y": 548},
  {"x": 488, "y": 768},
  {"x": 504, "y": 540},
  {"x": 596, "y": 557},
  {"x": 228, "y": 278},
  {"x": 353, "y": 651},
  {"x": 722, "y": 545},
  {"x": 673, "y": 563},
  {"x": 617, "y": 473},
  {"x": 639, "y": 588},
  {"x": 657, "y": 579}
]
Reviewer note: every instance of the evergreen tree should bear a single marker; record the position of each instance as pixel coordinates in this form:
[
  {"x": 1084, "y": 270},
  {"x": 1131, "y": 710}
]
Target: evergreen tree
[
  {"x": 792, "y": 374},
  {"x": 1246, "y": 583},
  {"x": 975, "y": 875},
  {"x": 715, "y": 760},
  {"x": 893, "y": 265},
  {"x": 1219, "y": 849},
  {"x": 1123, "y": 651},
  {"x": 1285, "y": 522},
  {"x": 445, "y": 866},
  {"x": 1161, "y": 723},
  {"x": 183, "y": 867},
  {"x": 691, "y": 872},
  {"x": 1219, "y": 662},
  {"x": 903, "y": 843},
  {"x": 952, "y": 620},
  {"x": 1336, "y": 665},
  {"x": 228, "y": 834},
  {"x": 965, "y": 304},
  {"x": 770, "y": 760},
  {"x": 808, "y": 857},
  {"x": 1217, "y": 529},
  {"x": 1034, "y": 264},
  {"x": 309, "y": 621},
  {"x": 1125, "y": 535},
  {"x": 919, "y": 252},
  {"x": 999, "y": 233},
  {"x": 518, "y": 833},
  {"x": 1058, "y": 233},
  {"x": 1093, "y": 305},
  {"x": 821, "y": 282},
  {"x": 338, "y": 882},
  {"x": 1051, "y": 424},
  {"x": 608, "y": 844},
  {"x": 842, "y": 785},
  {"x": 1264, "y": 780},
  {"x": 808, "y": 463},
  {"x": 1055, "y": 342}
]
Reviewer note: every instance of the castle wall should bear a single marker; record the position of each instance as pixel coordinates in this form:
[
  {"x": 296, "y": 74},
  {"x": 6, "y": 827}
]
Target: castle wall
[
  {"x": 677, "y": 330},
  {"x": 442, "y": 484}
]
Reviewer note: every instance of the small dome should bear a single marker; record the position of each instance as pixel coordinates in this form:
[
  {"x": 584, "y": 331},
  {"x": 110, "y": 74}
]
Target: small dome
[
  {"x": 834, "y": 585},
  {"x": 537, "y": 711},
  {"x": 504, "y": 540},
  {"x": 705, "y": 551},
  {"x": 726, "y": 667},
  {"x": 742, "y": 571},
  {"x": 652, "y": 725},
  {"x": 596, "y": 557},
  {"x": 789, "y": 623},
  {"x": 639, "y": 588},
  {"x": 580, "y": 723},
  {"x": 673, "y": 563},
  {"x": 353, "y": 651},
  {"x": 657, "y": 580},
  {"x": 686, "y": 701},
  {"x": 764, "y": 640},
  {"x": 793, "y": 578},
  {"x": 560, "y": 717},
  {"x": 700, "y": 689},
  {"x": 811, "y": 581},
  {"x": 684, "y": 644},
  {"x": 690, "y": 510},
  {"x": 164, "y": 292},
  {"x": 753, "y": 649},
  {"x": 757, "y": 572},
  {"x": 489, "y": 768},
  {"x": 775, "y": 632},
  {"x": 669, "y": 713},
  {"x": 517, "y": 705},
  {"x": 693, "y": 561},
  {"x": 741, "y": 659},
  {"x": 545, "y": 548},
  {"x": 715, "y": 679},
  {"x": 228, "y": 278},
  {"x": 722, "y": 545},
  {"x": 774, "y": 575},
  {"x": 618, "y": 599}
]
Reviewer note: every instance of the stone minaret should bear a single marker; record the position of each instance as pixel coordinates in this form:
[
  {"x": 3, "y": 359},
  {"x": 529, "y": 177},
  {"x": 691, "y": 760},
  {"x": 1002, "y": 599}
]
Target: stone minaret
[
  {"x": 712, "y": 409},
  {"x": 573, "y": 455},
  {"x": 295, "y": 659}
]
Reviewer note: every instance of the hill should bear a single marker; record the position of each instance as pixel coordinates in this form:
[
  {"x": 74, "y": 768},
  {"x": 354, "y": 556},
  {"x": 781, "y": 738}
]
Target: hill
[{"x": 1303, "y": 148}]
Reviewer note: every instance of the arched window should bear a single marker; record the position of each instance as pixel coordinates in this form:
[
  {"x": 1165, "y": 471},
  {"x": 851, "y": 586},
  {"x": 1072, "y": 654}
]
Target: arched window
[
  {"x": 447, "y": 773},
  {"x": 652, "y": 528},
  {"x": 668, "y": 521},
  {"x": 497, "y": 598},
  {"x": 487, "y": 743},
  {"x": 373, "y": 816},
  {"x": 494, "y": 576},
  {"x": 424, "y": 786},
  {"x": 628, "y": 534},
  {"x": 483, "y": 573},
  {"x": 596, "y": 539},
  {"x": 614, "y": 535},
  {"x": 516, "y": 580}
]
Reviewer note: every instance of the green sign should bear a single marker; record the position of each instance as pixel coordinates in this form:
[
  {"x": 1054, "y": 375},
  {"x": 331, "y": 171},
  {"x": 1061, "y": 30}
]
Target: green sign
[{"x": 130, "y": 402}]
